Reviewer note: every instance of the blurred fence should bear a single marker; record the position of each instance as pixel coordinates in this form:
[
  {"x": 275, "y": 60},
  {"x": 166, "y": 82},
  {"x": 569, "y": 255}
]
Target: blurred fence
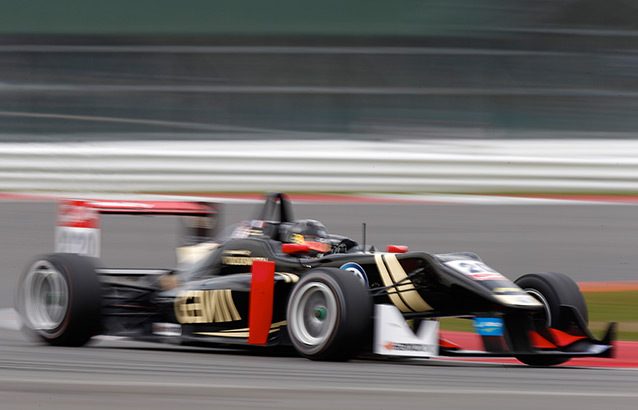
[
  {"x": 151, "y": 69},
  {"x": 281, "y": 17},
  {"x": 324, "y": 166},
  {"x": 402, "y": 90}
]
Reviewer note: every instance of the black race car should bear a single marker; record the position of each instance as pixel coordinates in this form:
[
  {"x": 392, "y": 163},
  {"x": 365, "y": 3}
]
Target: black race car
[{"x": 277, "y": 281}]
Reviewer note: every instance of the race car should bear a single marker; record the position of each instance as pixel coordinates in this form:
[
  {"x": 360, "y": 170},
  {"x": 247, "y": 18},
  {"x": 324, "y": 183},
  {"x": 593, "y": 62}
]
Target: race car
[{"x": 277, "y": 281}]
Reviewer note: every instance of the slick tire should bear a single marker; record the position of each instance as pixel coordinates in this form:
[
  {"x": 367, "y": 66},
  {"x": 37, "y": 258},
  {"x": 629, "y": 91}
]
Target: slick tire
[
  {"x": 552, "y": 290},
  {"x": 58, "y": 299},
  {"x": 329, "y": 315}
]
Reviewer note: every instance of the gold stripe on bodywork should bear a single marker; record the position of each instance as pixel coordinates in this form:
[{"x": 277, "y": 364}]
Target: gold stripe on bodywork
[
  {"x": 230, "y": 305},
  {"x": 221, "y": 297},
  {"x": 243, "y": 332},
  {"x": 409, "y": 294},
  {"x": 387, "y": 281},
  {"x": 288, "y": 277}
]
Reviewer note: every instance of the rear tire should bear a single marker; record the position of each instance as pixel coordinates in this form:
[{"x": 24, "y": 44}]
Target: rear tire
[
  {"x": 329, "y": 315},
  {"x": 552, "y": 290},
  {"x": 59, "y": 299}
]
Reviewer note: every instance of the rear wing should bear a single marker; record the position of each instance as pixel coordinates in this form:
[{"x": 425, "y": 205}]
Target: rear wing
[{"x": 78, "y": 221}]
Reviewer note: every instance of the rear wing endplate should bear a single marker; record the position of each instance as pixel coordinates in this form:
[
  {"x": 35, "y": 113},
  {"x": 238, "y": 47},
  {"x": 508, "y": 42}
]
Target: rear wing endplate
[{"x": 78, "y": 221}]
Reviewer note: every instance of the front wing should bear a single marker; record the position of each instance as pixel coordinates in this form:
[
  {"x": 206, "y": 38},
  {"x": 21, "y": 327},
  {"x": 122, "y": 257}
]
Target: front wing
[{"x": 393, "y": 337}]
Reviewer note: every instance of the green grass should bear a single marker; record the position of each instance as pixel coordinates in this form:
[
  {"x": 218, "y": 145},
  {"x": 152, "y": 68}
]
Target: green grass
[
  {"x": 604, "y": 307},
  {"x": 621, "y": 307}
]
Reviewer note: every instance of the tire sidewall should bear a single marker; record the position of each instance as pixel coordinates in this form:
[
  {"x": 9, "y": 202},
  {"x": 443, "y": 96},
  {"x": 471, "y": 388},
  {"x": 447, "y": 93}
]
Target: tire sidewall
[
  {"x": 353, "y": 314},
  {"x": 557, "y": 289},
  {"x": 550, "y": 300},
  {"x": 339, "y": 313},
  {"x": 81, "y": 319}
]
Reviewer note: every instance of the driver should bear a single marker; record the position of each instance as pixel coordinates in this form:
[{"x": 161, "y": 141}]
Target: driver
[{"x": 307, "y": 231}]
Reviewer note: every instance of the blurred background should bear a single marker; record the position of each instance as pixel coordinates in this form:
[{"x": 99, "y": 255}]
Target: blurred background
[
  {"x": 153, "y": 69},
  {"x": 402, "y": 96}
]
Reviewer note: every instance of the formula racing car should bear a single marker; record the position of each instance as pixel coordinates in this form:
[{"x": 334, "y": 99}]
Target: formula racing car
[{"x": 277, "y": 281}]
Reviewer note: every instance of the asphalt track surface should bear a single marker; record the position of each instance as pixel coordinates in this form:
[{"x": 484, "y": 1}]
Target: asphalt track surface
[{"x": 589, "y": 242}]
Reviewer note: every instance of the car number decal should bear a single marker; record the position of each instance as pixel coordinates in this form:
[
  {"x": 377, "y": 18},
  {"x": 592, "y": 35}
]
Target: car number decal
[{"x": 475, "y": 269}]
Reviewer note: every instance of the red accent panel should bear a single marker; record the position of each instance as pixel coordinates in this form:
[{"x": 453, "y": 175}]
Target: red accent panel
[
  {"x": 262, "y": 289},
  {"x": 447, "y": 344},
  {"x": 169, "y": 207},
  {"x": 564, "y": 339},
  {"x": 539, "y": 341},
  {"x": 86, "y": 213},
  {"x": 76, "y": 214},
  {"x": 397, "y": 248},
  {"x": 292, "y": 248}
]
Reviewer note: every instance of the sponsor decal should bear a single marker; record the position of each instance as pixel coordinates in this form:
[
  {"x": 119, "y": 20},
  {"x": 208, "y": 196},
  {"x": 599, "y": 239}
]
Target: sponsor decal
[
  {"x": 357, "y": 270},
  {"x": 406, "y": 347},
  {"x": 475, "y": 269},
  {"x": 256, "y": 223},
  {"x": 206, "y": 306},
  {"x": 83, "y": 241},
  {"x": 393, "y": 336},
  {"x": 245, "y": 231},
  {"x": 239, "y": 257},
  {"x": 167, "y": 329},
  {"x": 488, "y": 326},
  {"x": 236, "y": 252}
]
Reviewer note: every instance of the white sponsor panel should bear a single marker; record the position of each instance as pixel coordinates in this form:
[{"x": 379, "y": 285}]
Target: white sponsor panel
[
  {"x": 84, "y": 241},
  {"x": 393, "y": 336},
  {"x": 167, "y": 329},
  {"x": 475, "y": 269}
]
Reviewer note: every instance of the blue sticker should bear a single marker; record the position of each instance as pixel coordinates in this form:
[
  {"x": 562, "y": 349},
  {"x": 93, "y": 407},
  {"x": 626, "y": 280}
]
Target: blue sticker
[
  {"x": 357, "y": 270},
  {"x": 488, "y": 326}
]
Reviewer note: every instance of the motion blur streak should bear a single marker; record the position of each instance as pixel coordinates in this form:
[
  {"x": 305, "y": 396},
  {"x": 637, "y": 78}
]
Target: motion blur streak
[
  {"x": 298, "y": 70},
  {"x": 510, "y": 69}
]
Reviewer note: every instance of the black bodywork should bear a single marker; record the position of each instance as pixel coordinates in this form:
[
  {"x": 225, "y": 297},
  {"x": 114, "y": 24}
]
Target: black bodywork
[{"x": 209, "y": 301}]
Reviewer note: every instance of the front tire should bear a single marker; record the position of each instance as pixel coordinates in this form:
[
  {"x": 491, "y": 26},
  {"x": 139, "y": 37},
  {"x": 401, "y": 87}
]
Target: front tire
[
  {"x": 329, "y": 315},
  {"x": 552, "y": 290},
  {"x": 59, "y": 299}
]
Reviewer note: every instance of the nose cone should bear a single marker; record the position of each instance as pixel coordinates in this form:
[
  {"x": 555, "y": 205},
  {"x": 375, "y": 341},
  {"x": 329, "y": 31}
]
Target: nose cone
[{"x": 522, "y": 300}]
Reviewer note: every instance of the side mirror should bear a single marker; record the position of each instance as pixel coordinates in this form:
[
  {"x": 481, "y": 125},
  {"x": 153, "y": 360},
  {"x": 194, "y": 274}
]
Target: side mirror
[
  {"x": 397, "y": 248},
  {"x": 295, "y": 248}
]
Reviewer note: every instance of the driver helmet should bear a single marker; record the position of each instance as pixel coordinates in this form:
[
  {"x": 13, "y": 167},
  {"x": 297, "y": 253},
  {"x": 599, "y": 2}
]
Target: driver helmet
[{"x": 310, "y": 232}]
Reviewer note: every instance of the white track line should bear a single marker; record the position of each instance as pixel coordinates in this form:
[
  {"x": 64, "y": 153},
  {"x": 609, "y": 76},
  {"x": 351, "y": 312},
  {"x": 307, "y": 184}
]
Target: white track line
[{"x": 244, "y": 385}]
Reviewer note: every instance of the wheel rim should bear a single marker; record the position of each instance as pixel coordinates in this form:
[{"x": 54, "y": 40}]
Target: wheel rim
[
  {"x": 46, "y": 297},
  {"x": 313, "y": 314},
  {"x": 539, "y": 296}
]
